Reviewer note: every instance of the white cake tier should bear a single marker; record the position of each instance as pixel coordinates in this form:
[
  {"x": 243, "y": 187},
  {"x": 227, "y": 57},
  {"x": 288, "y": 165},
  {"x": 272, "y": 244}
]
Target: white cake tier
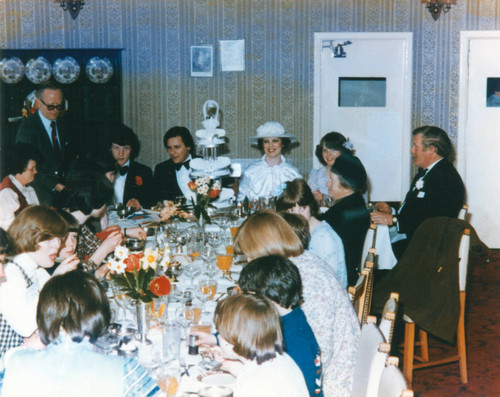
[{"x": 209, "y": 165}]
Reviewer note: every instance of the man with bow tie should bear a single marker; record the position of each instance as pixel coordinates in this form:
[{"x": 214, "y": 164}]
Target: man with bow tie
[
  {"x": 172, "y": 176},
  {"x": 436, "y": 190},
  {"x": 133, "y": 182}
]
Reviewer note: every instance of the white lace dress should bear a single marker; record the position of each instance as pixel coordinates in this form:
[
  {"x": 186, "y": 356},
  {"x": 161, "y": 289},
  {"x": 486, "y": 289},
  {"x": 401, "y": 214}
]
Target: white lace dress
[{"x": 333, "y": 321}]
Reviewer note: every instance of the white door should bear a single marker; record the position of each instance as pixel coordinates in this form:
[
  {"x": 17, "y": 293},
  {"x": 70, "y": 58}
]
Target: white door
[
  {"x": 366, "y": 96},
  {"x": 479, "y": 132}
]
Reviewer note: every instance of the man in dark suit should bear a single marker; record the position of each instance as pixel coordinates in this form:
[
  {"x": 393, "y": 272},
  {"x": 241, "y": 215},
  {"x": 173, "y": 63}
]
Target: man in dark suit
[
  {"x": 172, "y": 176},
  {"x": 50, "y": 135},
  {"x": 133, "y": 183},
  {"x": 436, "y": 190}
]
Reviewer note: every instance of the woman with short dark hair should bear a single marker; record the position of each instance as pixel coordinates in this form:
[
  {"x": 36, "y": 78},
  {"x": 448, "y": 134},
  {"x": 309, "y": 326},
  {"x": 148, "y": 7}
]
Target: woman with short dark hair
[
  {"x": 35, "y": 236},
  {"x": 251, "y": 343},
  {"x": 15, "y": 192},
  {"x": 73, "y": 311}
]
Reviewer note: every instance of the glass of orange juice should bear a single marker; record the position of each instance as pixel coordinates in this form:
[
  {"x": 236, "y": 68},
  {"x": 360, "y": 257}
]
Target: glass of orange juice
[
  {"x": 208, "y": 287},
  {"x": 168, "y": 379},
  {"x": 224, "y": 263}
]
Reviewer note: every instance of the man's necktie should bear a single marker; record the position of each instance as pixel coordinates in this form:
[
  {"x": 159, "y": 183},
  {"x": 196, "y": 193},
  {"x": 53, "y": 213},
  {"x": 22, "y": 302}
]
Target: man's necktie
[
  {"x": 123, "y": 170},
  {"x": 178, "y": 166},
  {"x": 55, "y": 142}
]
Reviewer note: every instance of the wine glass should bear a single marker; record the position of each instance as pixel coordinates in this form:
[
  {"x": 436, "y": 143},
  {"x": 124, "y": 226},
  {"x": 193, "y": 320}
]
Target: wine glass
[
  {"x": 213, "y": 239},
  {"x": 224, "y": 263},
  {"x": 208, "y": 288}
]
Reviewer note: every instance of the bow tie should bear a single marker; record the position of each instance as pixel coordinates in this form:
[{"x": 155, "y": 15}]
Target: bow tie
[
  {"x": 178, "y": 166},
  {"x": 421, "y": 172},
  {"x": 123, "y": 170}
]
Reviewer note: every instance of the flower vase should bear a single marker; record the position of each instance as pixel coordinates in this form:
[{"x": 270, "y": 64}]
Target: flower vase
[
  {"x": 142, "y": 321},
  {"x": 201, "y": 222}
]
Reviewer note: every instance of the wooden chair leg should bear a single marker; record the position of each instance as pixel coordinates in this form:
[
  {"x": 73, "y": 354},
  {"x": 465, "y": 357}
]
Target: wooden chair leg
[
  {"x": 424, "y": 347},
  {"x": 462, "y": 350},
  {"x": 409, "y": 350}
]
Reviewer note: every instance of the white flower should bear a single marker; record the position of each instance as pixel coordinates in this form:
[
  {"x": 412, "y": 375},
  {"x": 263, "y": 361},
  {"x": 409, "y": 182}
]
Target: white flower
[
  {"x": 199, "y": 181},
  {"x": 116, "y": 266},
  {"x": 121, "y": 252},
  {"x": 164, "y": 262},
  {"x": 149, "y": 259},
  {"x": 205, "y": 180},
  {"x": 216, "y": 185},
  {"x": 203, "y": 189},
  {"x": 420, "y": 184}
]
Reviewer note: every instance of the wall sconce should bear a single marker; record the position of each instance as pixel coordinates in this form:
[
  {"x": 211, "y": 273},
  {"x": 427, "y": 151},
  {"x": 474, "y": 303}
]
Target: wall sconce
[
  {"x": 435, "y": 7},
  {"x": 337, "y": 50},
  {"x": 73, "y": 7}
]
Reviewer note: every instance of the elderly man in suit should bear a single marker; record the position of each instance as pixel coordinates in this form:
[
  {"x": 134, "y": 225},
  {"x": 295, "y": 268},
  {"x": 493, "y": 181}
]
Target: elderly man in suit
[
  {"x": 172, "y": 176},
  {"x": 436, "y": 190},
  {"x": 50, "y": 135},
  {"x": 133, "y": 183}
]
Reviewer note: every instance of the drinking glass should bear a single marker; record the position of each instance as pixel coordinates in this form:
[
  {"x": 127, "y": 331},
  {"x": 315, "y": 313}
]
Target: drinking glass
[
  {"x": 168, "y": 379},
  {"x": 213, "y": 239},
  {"x": 224, "y": 263},
  {"x": 208, "y": 288},
  {"x": 171, "y": 341}
]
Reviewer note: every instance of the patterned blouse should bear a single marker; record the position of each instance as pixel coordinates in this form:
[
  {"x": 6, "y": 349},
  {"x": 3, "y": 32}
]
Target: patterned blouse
[{"x": 333, "y": 321}]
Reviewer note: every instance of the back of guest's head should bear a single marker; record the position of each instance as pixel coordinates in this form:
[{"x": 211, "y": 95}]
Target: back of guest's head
[
  {"x": 20, "y": 155},
  {"x": 102, "y": 162},
  {"x": 297, "y": 192},
  {"x": 122, "y": 135},
  {"x": 33, "y": 225},
  {"x": 435, "y": 136},
  {"x": 334, "y": 141},
  {"x": 300, "y": 226},
  {"x": 75, "y": 303},
  {"x": 71, "y": 221},
  {"x": 252, "y": 325},
  {"x": 88, "y": 191},
  {"x": 351, "y": 172},
  {"x": 184, "y": 134},
  {"x": 4, "y": 242},
  {"x": 274, "y": 277},
  {"x": 266, "y": 233}
]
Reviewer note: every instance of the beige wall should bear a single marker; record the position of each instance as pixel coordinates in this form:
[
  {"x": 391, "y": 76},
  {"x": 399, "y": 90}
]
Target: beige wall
[{"x": 156, "y": 35}]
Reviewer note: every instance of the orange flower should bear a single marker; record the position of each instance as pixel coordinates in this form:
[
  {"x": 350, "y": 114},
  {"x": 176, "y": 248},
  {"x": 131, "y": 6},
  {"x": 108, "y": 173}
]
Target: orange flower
[
  {"x": 133, "y": 262},
  {"x": 192, "y": 186},
  {"x": 213, "y": 193},
  {"x": 138, "y": 180},
  {"x": 160, "y": 286}
]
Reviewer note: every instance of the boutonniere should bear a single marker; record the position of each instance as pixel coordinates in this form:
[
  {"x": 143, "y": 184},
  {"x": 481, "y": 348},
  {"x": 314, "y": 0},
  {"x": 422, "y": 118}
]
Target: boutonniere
[
  {"x": 138, "y": 180},
  {"x": 420, "y": 184}
]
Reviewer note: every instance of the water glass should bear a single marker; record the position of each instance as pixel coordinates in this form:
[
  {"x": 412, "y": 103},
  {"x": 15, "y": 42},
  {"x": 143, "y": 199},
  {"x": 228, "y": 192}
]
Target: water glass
[{"x": 171, "y": 341}]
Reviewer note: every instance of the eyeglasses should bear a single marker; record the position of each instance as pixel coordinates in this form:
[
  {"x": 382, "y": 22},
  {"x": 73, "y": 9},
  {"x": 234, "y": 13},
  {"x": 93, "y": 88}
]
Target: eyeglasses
[{"x": 52, "y": 107}]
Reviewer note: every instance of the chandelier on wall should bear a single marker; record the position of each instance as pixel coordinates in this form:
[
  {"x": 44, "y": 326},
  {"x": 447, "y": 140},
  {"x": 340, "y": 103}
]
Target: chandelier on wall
[
  {"x": 435, "y": 7},
  {"x": 73, "y": 7}
]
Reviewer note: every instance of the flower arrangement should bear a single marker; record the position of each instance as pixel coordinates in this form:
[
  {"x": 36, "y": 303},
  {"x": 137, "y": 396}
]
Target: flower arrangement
[
  {"x": 168, "y": 209},
  {"x": 136, "y": 273},
  {"x": 205, "y": 191}
]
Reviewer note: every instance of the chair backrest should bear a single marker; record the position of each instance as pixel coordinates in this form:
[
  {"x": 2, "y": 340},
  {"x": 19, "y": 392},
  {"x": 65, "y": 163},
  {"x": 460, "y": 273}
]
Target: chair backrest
[
  {"x": 356, "y": 294},
  {"x": 388, "y": 318},
  {"x": 392, "y": 382},
  {"x": 462, "y": 214},
  {"x": 463, "y": 254},
  {"x": 378, "y": 238},
  {"x": 367, "y": 295},
  {"x": 368, "y": 361}
]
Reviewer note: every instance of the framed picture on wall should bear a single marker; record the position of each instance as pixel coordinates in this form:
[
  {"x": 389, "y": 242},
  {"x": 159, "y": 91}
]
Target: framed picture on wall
[{"x": 202, "y": 60}]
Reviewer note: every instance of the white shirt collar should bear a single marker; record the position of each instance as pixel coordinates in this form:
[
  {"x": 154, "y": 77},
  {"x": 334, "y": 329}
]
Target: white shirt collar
[
  {"x": 16, "y": 183},
  {"x": 433, "y": 164}
]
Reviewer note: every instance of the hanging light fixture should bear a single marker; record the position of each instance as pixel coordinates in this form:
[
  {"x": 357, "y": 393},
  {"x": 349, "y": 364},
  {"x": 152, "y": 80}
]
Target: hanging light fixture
[
  {"x": 435, "y": 7},
  {"x": 73, "y": 7}
]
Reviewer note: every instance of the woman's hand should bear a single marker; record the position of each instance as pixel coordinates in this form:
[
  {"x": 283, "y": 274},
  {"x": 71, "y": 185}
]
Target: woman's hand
[
  {"x": 107, "y": 246},
  {"x": 67, "y": 265},
  {"x": 134, "y": 203},
  {"x": 318, "y": 196},
  {"x": 205, "y": 338},
  {"x": 111, "y": 229},
  {"x": 381, "y": 218},
  {"x": 383, "y": 207},
  {"x": 137, "y": 232}
]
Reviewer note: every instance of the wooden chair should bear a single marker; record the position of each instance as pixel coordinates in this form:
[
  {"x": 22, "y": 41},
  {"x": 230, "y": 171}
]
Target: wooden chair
[
  {"x": 361, "y": 293},
  {"x": 377, "y": 238},
  {"x": 392, "y": 381},
  {"x": 462, "y": 214},
  {"x": 409, "y": 342},
  {"x": 388, "y": 319},
  {"x": 370, "y": 361}
]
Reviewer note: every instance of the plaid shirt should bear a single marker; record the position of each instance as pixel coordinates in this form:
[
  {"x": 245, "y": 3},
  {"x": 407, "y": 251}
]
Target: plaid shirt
[{"x": 88, "y": 243}]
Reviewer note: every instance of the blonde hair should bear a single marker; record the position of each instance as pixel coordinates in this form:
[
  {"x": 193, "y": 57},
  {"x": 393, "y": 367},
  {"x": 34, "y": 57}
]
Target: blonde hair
[
  {"x": 252, "y": 325},
  {"x": 266, "y": 233}
]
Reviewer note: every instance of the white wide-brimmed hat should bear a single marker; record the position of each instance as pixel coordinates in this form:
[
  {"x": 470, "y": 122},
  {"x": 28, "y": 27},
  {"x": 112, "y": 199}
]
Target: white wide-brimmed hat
[{"x": 271, "y": 129}]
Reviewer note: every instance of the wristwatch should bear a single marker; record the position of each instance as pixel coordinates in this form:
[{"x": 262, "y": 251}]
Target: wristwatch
[{"x": 394, "y": 220}]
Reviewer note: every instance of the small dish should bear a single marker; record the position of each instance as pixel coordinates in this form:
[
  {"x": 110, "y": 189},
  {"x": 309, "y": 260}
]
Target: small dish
[
  {"x": 216, "y": 377},
  {"x": 134, "y": 244},
  {"x": 99, "y": 70},
  {"x": 11, "y": 70},
  {"x": 38, "y": 70},
  {"x": 66, "y": 70}
]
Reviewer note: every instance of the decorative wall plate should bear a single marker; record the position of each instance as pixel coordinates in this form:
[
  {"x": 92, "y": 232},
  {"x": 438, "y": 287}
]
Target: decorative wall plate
[
  {"x": 66, "y": 70},
  {"x": 99, "y": 70},
  {"x": 38, "y": 70},
  {"x": 11, "y": 70}
]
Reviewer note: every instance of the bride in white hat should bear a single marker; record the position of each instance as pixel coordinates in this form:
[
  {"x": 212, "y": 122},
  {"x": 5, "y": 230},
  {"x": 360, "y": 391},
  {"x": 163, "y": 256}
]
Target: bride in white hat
[{"x": 263, "y": 177}]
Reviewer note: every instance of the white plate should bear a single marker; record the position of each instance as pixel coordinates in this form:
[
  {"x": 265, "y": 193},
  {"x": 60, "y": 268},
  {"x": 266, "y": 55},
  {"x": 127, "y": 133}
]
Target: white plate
[
  {"x": 11, "y": 70},
  {"x": 66, "y": 70},
  {"x": 99, "y": 70},
  {"x": 38, "y": 70},
  {"x": 217, "y": 377}
]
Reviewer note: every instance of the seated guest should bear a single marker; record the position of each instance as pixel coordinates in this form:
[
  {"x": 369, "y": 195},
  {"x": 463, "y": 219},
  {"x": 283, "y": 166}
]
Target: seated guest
[
  {"x": 133, "y": 183},
  {"x": 4, "y": 247},
  {"x": 436, "y": 190},
  {"x": 15, "y": 194},
  {"x": 298, "y": 198},
  {"x": 87, "y": 197},
  {"x": 349, "y": 216},
  {"x": 251, "y": 346},
  {"x": 266, "y": 233},
  {"x": 262, "y": 177},
  {"x": 278, "y": 279},
  {"x": 73, "y": 311},
  {"x": 36, "y": 235},
  {"x": 331, "y": 146},
  {"x": 172, "y": 176}
]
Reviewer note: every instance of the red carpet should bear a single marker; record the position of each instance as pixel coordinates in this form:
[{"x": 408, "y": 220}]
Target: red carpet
[{"x": 483, "y": 341}]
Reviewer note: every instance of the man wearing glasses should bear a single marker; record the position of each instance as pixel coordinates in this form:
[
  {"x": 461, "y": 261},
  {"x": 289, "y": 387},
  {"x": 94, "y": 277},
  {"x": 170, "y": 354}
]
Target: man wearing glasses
[{"x": 49, "y": 135}]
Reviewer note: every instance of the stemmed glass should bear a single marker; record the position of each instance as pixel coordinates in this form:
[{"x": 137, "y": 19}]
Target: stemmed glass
[
  {"x": 208, "y": 288},
  {"x": 213, "y": 239},
  {"x": 224, "y": 263}
]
